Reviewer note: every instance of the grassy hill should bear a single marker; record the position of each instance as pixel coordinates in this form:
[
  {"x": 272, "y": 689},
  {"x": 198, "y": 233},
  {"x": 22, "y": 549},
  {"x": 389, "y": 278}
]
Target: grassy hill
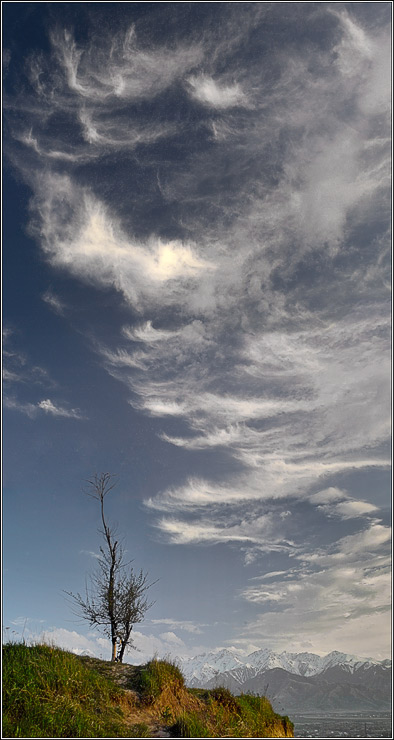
[{"x": 48, "y": 692}]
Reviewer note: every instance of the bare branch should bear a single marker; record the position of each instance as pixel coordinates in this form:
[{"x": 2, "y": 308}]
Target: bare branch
[{"x": 116, "y": 599}]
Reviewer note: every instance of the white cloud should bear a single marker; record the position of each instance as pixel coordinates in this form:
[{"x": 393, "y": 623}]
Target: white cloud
[
  {"x": 78, "y": 233},
  {"x": 121, "y": 69},
  {"x": 172, "y": 639},
  {"x": 335, "y": 502},
  {"x": 76, "y": 642},
  {"x": 347, "y": 589},
  {"x": 91, "y": 553},
  {"x": 328, "y": 496},
  {"x": 50, "y": 408},
  {"x": 216, "y": 94},
  {"x": 187, "y": 626},
  {"x": 350, "y": 509},
  {"x": 143, "y": 648},
  {"x": 367, "y": 540},
  {"x": 266, "y": 532},
  {"x": 18, "y": 369},
  {"x": 54, "y": 302},
  {"x": 92, "y": 84},
  {"x": 251, "y": 330},
  {"x": 47, "y": 406},
  {"x": 106, "y": 132}
]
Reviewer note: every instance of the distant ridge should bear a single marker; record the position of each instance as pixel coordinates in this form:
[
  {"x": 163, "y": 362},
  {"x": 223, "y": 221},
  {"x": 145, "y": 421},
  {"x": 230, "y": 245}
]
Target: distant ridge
[{"x": 297, "y": 681}]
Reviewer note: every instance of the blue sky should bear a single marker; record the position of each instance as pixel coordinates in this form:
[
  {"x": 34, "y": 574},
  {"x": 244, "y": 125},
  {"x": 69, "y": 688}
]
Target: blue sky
[{"x": 196, "y": 256}]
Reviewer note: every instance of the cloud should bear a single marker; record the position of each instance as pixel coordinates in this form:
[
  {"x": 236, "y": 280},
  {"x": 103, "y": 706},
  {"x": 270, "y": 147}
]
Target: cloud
[
  {"x": 328, "y": 496},
  {"x": 142, "y": 648},
  {"x": 54, "y": 302},
  {"x": 187, "y": 626},
  {"x": 258, "y": 363},
  {"x": 121, "y": 69},
  {"x": 50, "y": 408},
  {"x": 335, "y": 502},
  {"x": 215, "y": 94},
  {"x": 91, "y": 553},
  {"x": 17, "y": 367},
  {"x": 253, "y": 254},
  {"x": 343, "y": 589},
  {"x": 90, "y": 86},
  {"x": 46, "y": 405},
  {"x": 350, "y": 509},
  {"x": 254, "y": 528},
  {"x": 172, "y": 638},
  {"x": 19, "y": 373},
  {"x": 78, "y": 233}
]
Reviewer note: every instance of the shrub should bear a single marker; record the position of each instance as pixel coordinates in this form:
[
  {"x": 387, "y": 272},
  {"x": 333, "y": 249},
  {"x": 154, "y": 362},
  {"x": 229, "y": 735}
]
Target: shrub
[{"x": 224, "y": 697}]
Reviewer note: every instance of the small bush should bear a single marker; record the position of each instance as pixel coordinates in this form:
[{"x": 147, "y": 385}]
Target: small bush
[{"x": 225, "y": 698}]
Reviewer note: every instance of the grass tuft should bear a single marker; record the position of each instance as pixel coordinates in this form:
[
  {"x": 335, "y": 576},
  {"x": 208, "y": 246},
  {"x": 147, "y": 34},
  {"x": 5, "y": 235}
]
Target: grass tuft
[
  {"x": 48, "y": 692},
  {"x": 157, "y": 676},
  {"x": 190, "y": 724}
]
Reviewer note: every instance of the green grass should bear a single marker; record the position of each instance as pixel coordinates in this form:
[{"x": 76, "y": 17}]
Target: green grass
[
  {"x": 225, "y": 715},
  {"x": 190, "y": 724},
  {"x": 157, "y": 676},
  {"x": 48, "y": 692}
]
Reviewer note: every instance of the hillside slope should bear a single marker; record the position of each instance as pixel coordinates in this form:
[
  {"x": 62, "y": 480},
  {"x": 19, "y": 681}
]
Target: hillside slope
[{"x": 48, "y": 692}]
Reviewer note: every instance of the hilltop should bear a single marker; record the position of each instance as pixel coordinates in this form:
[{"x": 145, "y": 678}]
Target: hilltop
[{"x": 48, "y": 692}]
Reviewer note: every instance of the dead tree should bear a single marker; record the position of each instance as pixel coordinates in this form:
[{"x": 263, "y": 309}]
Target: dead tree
[{"x": 116, "y": 598}]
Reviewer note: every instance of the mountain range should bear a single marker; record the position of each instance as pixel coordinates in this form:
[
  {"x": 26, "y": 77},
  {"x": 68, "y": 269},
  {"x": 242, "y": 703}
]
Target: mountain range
[{"x": 297, "y": 682}]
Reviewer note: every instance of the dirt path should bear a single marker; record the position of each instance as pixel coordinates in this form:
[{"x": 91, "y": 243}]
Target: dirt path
[{"x": 124, "y": 675}]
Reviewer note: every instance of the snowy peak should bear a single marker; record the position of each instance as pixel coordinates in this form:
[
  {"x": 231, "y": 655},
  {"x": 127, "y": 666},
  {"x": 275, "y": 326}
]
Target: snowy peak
[{"x": 202, "y": 668}]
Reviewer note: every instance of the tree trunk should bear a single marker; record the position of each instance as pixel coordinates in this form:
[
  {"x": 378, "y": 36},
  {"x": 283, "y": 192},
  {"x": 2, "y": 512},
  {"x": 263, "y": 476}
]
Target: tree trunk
[
  {"x": 121, "y": 651},
  {"x": 113, "y": 658}
]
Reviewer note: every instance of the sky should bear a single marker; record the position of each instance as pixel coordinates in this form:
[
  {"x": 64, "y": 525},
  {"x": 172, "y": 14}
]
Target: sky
[{"x": 197, "y": 283}]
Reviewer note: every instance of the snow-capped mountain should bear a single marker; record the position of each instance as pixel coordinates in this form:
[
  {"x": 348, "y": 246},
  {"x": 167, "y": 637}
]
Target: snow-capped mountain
[
  {"x": 296, "y": 682},
  {"x": 203, "y": 668}
]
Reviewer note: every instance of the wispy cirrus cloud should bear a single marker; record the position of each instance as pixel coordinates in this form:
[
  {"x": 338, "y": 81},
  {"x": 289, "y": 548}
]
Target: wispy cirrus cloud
[
  {"x": 216, "y": 94},
  {"x": 57, "y": 305},
  {"x": 121, "y": 69},
  {"x": 21, "y": 375},
  {"x": 46, "y": 405},
  {"x": 312, "y": 382},
  {"x": 187, "y": 626},
  {"x": 346, "y": 575},
  {"x": 91, "y": 553},
  {"x": 91, "y": 85},
  {"x": 78, "y": 233},
  {"x": 56, "y": 410},
  {"x": 17, "y": 367},
  {"x": 253, "y": 251}
]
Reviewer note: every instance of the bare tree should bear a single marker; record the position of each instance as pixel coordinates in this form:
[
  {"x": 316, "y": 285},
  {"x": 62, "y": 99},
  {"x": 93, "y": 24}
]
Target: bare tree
[{"x": 116, "y": 599}]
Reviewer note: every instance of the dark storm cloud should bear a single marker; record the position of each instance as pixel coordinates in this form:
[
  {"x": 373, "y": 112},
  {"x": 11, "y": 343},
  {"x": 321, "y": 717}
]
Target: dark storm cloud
[{"x": 230, "y": 178}]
